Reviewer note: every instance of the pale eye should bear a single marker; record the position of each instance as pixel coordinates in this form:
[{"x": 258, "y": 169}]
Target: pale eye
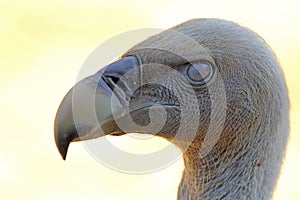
[{"x": 199, "y": 71}]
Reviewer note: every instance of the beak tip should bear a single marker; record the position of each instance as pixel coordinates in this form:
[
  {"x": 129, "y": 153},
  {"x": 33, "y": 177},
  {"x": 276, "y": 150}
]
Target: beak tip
[
  {"x": 64, "y": 156},
  {"x": 63, "y": 149},
  {"x": 62, "y": 143}
]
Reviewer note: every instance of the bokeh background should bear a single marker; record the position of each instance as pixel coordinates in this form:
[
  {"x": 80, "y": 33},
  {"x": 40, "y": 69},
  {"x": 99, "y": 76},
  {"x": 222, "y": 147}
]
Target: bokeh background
[{"x": 42, "y": 47}]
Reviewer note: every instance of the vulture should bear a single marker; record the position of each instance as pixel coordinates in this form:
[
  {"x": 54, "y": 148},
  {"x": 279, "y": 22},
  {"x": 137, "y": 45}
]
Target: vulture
[{"x": 211, "y": 87}]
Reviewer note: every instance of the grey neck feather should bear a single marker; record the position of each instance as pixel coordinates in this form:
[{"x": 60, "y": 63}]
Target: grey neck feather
[{"x": 245, "y": 172}]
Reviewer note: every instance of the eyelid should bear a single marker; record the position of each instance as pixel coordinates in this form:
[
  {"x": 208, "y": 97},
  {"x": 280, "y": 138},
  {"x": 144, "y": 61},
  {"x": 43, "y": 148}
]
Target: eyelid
[{"x": 200, "y": 61}]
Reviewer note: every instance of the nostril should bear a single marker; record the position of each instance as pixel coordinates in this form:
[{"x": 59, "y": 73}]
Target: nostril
[
  {"x": 117, "y": 87},
  {"x": 111, "y": 81},
  {"x": 114, "y": 79}
]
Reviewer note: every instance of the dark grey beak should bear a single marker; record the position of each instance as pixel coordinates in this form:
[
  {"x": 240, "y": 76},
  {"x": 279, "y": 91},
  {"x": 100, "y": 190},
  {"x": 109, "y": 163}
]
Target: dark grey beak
[{"x": 87, "y": 110}]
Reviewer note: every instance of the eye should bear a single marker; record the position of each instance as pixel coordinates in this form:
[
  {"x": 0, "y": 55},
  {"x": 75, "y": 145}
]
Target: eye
[{"x": 199, "y": 71}]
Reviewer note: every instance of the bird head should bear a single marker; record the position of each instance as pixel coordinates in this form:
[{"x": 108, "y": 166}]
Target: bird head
[{"x": 204, "y": 83}]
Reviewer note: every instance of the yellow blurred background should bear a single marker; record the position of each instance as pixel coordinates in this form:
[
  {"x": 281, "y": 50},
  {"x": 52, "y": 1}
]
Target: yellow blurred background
[{"x": 43, "y": 45}]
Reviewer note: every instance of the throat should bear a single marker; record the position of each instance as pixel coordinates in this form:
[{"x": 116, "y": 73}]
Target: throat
[
  {"x": 220, "y": 176},
  {"x": 202, "y": 183},
  {"x": 202, "y": 179}
]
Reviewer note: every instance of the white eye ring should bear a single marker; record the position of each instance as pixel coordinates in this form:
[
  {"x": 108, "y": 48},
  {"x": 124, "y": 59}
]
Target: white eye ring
[{"x": 199, "y": 72}]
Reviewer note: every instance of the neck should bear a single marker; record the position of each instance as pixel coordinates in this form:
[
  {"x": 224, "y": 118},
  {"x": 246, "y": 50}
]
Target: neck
[{"x": 223, "y": 175}]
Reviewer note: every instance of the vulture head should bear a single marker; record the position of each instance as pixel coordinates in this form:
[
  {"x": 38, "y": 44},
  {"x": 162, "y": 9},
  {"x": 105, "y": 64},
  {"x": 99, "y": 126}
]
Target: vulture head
[{"x": 211, "y": 87}]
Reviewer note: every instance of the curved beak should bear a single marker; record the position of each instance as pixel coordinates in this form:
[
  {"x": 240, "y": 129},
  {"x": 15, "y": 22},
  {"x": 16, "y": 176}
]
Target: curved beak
[{"x": 90, "y": 105}]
